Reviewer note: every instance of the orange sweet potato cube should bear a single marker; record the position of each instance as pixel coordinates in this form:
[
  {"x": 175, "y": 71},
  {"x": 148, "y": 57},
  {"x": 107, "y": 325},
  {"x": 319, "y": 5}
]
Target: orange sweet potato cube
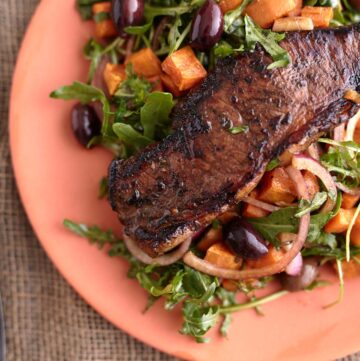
[
  {"x": 265, "y": 12},
  {"x": 229, "y": 285},
  {"x": 321, "y": 16},
  {"x": 212, "y": 236},
  {"x": 340, "y": 223},
  {"x": 312, "y": 183},
  {"x": 355, "y": 235},
  {"x": 251, "y": 211},
  {"x": 170, "y": 85},
  {"x": 219, "y": 255},
  {"x": 105, "y": 28},
  {"x": 228, "y": 5},
  {"x": 349, "y": 201},
  {"x": 145, "y": 63},
  {"x": 227, "y": 216},
  {"x": 184, "y": 68},
  {"x": 350, "y": 269},
  {"x": 113, "y": 74},
  {"x": 277, "y": 187},
  {"x": 273, "y": 256}
]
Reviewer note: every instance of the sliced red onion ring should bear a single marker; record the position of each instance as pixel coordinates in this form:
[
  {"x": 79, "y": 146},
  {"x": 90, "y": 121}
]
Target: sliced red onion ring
[
  {"x": 314, "y": 151},
  {"x": 339, "y": 133},
  {"x": 265, "y": 206},
  {"x": 303, "y": 162},
  {"x": 164, "y": 260},
  {"x": 350, "y": 129},
  {"x": 206, "y": 267},
  {"x": 295, "y": 266},
  {"x": 351, "y": 191}
]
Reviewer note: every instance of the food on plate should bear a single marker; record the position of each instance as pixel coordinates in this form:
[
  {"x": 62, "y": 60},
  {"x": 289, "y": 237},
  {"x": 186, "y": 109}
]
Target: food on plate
[
  {"x": 234, "y": 128},
  {"x": 170, "y": 190}
]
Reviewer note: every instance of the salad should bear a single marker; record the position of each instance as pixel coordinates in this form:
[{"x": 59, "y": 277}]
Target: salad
[{"x": 147, "y": 54}]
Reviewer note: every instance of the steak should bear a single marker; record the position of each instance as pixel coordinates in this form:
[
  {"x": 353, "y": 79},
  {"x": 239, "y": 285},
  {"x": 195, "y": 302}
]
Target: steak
[{"x": 176, "y": 187}]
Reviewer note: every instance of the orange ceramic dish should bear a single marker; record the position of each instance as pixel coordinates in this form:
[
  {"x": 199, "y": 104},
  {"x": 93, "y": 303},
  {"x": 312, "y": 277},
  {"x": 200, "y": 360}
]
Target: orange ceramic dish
[{"x": 58, "y": 179}]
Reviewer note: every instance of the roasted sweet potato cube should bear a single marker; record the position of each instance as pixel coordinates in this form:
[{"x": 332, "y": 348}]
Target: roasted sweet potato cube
[
  {"x": 212, "y": 236},
  {"x": 184, "y": 68},
  {"x": 273, "y": 256},
  {"x": 349, "y": 201},
  {"x": 114, "y": 74},
  {"x": 265, "y": 12},
  {"x": 355, "y": 235},
  {"x": 293, "y": 24},
  {"x": 170, "y": 85},
  {"x": 219, "y": 255},
  {"x": 156, "y": 83},
  {"x": 145, "y": 63},
  {"x": 350, "y": 269},
  {"x": 227, "y": 216},
  {"x": 340, "y": 223},
  {"x": 321, "y": 16},
  {"x": 312, "y": 183},
  {"x": 251, "y": 211},
  {"x": 229, "y": 285},
  {"x": 277, "y": 187},
  {"x": 104, "y": 28},
  {"x": 228, "y": 5}
]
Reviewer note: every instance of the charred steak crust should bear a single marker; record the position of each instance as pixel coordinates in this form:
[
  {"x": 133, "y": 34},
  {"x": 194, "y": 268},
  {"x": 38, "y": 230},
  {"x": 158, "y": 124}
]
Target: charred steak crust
[{"x": 174, "y": 188}]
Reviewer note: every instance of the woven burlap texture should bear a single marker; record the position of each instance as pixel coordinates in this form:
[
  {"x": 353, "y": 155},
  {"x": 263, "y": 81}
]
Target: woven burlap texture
[{"x": 45, "y": 319}]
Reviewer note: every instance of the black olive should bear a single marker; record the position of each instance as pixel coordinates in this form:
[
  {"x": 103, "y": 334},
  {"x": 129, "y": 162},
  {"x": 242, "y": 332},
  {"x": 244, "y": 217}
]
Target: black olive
[
  {"x": 85, "y": 123},
  {"x": 127, "y": 13},
  {"x": 309, "y": 272},
  {"x": 207, "y": 26},
  {"x": 242, "y": 239},
  {"x": 355, "y": 4}
]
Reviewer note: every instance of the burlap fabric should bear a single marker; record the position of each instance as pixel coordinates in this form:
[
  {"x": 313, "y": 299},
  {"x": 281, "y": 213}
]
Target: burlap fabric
[{"x": 45, "y": 319}]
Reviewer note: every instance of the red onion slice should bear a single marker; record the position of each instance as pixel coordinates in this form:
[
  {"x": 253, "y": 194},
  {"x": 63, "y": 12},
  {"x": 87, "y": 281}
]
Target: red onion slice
[
  {"x": 265, "y": 206},
  {"x": 295, "y": 266},
  {"x": 206, "y": 267},
  {"x": 303, "y": 162},
  {"x": 350, "y": 129},
  {"x": 339, "y": 133},
  {"x": 164, "y": 260},
  {"x": 345, "y": 189},
  {"x": 314, "y": 151}
]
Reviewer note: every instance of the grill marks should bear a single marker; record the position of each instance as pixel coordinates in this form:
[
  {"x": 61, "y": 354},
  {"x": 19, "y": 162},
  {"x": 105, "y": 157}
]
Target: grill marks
[{"x": 176, "y": 187}]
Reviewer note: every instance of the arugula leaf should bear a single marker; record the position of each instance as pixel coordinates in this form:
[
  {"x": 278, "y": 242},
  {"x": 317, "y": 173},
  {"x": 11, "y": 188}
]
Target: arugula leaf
[
  {"x": 269, "y": 40},
  {"x": 85, "y": 93},
  {"x": 85, "y": 7},
  {"x": 239, "y": 129},
  {"x": 131, "y": 137},
  {"x": 155, "y": 112},
  {"x": 281, "y": 221},
  {"x": 103, "y": 187},
  {"x": 93, "y": 51},
  {"x": 306, "y": 206},
  {"x": 273, "y": 164},
  {"x": 234, "y": 21},
  {"x": 198, "y": 320},
  {"x": 139, "y": 29}
]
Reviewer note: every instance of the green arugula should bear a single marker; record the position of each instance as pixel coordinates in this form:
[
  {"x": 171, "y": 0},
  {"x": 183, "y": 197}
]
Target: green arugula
[
  {"x": 203, "y": 300},
  {"x": 85, "y": 8},
  {"x": 269, "y": 40},
  {"x": 155, "y": 112},
  {"x": 239, "y": 129},
  {"x": 343, "y": 161},
  {"x": 273, "y": 164},
  {"x": 85, "y": 93},
  {"x": 306, "y": 206}
]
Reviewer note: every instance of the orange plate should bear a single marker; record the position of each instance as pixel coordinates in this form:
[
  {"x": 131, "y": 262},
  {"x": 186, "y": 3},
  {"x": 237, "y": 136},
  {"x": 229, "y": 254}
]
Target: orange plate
[{"x": 58, "y": 179}]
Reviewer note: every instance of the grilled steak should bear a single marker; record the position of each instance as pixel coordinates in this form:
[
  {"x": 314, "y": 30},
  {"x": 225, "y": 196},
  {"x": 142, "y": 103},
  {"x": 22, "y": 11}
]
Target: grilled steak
[{"x": 174, "y": 188}]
